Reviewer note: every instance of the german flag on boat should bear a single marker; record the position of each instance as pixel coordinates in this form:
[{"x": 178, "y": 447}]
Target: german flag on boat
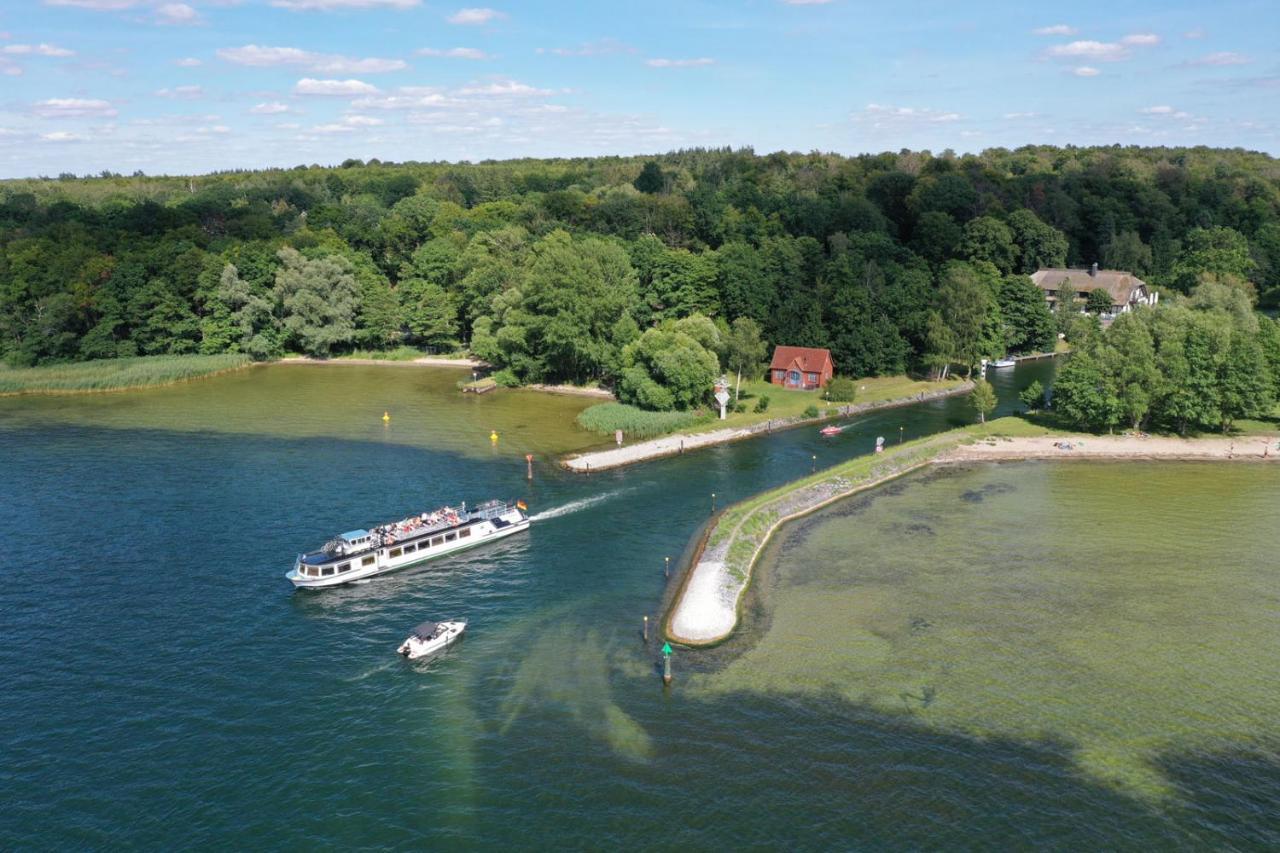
[{"x": 522, "y": 506}]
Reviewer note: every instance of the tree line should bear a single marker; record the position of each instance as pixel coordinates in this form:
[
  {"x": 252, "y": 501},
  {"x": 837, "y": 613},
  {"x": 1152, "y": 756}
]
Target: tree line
[{"x": 619, "y": 269}]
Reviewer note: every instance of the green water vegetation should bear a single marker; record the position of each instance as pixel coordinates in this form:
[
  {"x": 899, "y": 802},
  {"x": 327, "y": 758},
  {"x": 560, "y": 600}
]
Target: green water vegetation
[
  {"x": 605, "y": 418},
  {"x": 1199, "y": 362},
  {"x": 115, "y": 374},
  {"x": 549, "y": 269}
]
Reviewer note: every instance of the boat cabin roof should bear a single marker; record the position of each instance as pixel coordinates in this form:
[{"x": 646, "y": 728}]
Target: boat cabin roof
[
  {"x": 353, "y": 535},
  {"x": 425, "y": 631}
]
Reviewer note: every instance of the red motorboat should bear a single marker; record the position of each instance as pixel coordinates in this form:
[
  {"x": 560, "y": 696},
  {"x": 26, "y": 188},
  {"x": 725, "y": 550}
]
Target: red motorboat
[{"x": 831, "y": 430}]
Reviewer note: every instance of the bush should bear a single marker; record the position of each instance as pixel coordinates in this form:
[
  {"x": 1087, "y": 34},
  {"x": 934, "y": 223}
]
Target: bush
[
  {"x": 739, "y": 408},
  {"x": 841, "y": 389},
  {"x": 634, "y": 422},
  {"x": 762, "y": 405},
  {"x": 506, "y": 377},
  {"x": 1032, "y": 396},
  {"x": 811, "y": 412}
]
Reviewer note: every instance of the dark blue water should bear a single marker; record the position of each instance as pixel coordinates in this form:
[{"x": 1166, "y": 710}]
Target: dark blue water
[{"x": 164, "y": 687}]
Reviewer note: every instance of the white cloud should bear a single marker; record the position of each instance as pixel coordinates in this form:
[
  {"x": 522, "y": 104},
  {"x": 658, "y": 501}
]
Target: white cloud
[
  {"x": 1101, "y": 51},
  {"x": 41, "y": 49},
  {"x": 332, "y": 128},
  {"x": 504, "y": 88},
  {"x": 60, "y": 136},
  {"x": 188, "y": 62},
  {"x": 806, "y": 2},
  {"x": 882, "y": 116},
  {"x": 335, "y": 88},
  {"x": 1197, "y": 33},
  {"x": 1161, "y": 110},
  {"x": 187, "y": 93},
  {"x": 261, "y": 56},
  {"x": 178, "y": 14},
  {"x": 1141, "y": 39},
  {"x": 455, "y": 53},
  {"x": 602, "y": 47},
  {"x": 327, "y": 5},
  {"x": 1085, "y": 71},
  {"x": 74, "y": 108},
  {"x": 475, "y": 17},
  {"x": 362, "y": 121},
  {"x": 1222, "y": 57},
  {"x": 217, "y": 129},
  {"x": 270, "y": 108},
  {"x": 1055, "y": 30},
  {"x": 1021, "y": 115},
  {"x": 96, "y": 5},
  {"x": 679, "y": 63}
]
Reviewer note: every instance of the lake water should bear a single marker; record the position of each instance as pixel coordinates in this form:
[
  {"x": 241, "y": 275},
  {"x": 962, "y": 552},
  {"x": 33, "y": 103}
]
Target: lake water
[{"x": 165, "y": 687}]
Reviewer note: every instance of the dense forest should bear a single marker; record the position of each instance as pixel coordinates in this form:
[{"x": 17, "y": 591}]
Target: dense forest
[{"x": 627, "y": 270}]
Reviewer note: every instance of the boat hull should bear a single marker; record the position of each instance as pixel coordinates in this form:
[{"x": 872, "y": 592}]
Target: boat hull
[
  {"x": 415, "y": 648},
  {"x": 387, "y": 560}
]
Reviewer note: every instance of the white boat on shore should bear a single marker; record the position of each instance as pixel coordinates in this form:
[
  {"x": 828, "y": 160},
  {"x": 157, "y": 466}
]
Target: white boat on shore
[
  {"x": 360, "y": 554},
  {"x": 431, "y": 637}
]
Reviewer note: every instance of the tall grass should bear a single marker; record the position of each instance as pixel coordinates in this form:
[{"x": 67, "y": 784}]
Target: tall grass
[
  {"x": 400, "y": 353},
  {"x": 113, "y": 374},
  {"x": 635, "y": 423}
]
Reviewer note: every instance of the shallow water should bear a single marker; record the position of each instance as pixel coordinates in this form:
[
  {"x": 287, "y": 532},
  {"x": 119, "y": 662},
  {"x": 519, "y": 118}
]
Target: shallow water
[{"x": 164, "y": 687}]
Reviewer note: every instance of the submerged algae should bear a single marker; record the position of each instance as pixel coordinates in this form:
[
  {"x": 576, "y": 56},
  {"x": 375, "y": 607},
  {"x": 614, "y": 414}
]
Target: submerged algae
[{"x": 1127, "y": 609}]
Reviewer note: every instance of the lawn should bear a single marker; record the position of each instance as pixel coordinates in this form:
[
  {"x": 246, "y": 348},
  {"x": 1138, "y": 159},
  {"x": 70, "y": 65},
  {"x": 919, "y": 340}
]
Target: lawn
[
  {"x": 790, "y": 403},
  {"x": 114, "y": 374}
]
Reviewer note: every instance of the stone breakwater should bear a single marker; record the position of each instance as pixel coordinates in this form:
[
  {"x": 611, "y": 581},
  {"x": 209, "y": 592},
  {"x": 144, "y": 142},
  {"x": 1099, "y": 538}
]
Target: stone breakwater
[
  {"x": 671, "y": 445},
  {"x": 706, "y": 607}
]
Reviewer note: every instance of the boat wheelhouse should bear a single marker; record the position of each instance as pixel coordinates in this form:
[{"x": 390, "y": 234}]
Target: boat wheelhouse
[{"x": 359, "y": 554}]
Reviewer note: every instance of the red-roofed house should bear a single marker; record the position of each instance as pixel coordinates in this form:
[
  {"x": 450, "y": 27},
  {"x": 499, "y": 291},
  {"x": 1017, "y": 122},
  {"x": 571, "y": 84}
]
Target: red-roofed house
[{"x": 801, "y": 367}]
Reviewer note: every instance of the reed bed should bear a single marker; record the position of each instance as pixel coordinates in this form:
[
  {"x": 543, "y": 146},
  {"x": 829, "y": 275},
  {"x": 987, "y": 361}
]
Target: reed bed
[
  {"x": 114, "y": 374},
  {"x": 636, "y": 423}
]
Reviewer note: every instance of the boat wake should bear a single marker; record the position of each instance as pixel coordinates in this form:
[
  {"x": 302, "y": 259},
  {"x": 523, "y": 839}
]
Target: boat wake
[
  {"x": 575, "y": 506},
  {"x": 383, "y": 667}
]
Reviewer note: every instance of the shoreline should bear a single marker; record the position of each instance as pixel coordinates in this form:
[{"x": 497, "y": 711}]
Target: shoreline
[
  {"x": 425, "y": 361},
  {"x": 678, "y": 443},
  {"x": 706, "y": 608}
]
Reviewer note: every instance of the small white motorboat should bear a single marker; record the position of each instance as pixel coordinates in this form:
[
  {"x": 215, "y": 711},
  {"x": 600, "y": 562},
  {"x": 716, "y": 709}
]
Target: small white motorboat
[
  {"x": 431, "y": 637},
  {"x": 1004, "y": 362}
]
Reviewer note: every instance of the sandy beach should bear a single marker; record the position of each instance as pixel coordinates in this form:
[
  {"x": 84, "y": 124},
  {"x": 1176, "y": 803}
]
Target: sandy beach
[{"x": 1256, "y": 448}]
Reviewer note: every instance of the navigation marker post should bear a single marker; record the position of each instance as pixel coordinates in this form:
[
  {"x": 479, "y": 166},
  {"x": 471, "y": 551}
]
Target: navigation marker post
[
  {"x": 666, "y": 569},
  {"x": 666, "y": 663},
  {"x": 722, "y": 394},
  {"x": 528, "y": 459},
  {"x": 645, "y": 634}
]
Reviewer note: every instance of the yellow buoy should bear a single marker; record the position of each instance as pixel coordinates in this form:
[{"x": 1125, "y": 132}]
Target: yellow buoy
[
  {"x": 493, "y": 436},
  {"x": 386, "y": 417}
]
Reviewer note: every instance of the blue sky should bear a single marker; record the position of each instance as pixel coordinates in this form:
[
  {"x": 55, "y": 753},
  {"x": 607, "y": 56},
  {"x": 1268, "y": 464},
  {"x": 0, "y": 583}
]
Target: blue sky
[{"x": 215, "y": 84}]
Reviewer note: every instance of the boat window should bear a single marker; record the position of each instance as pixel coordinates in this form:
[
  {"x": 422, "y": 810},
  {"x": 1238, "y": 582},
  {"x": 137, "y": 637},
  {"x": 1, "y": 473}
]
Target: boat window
[
  {"x": 345, "y": 567},
  {"x": 437, "y": 541},
  {"x": 367, "y": 561},
  {"x": 464, "y": 533},
  {"x": 449, "y": 537},
  {"x": 326, "y": 571},
  {"x": 310, "y": 571},
  {"x": 394, "y": 552}
]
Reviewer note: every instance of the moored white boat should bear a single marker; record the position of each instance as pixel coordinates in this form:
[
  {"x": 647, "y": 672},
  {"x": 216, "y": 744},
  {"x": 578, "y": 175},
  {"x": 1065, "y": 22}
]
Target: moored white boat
[
  {"x": 360, "y": 554},
  {"x": 431, "y": 637},
  {"x": 1004, "y": 362}
]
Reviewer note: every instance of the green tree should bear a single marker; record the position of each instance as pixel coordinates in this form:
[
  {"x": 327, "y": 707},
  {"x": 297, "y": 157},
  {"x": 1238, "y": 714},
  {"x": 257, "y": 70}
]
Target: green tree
[
  {"x": 251, "y": 315},
  {"x": 429, "y": 312},
  {"x": 936, "y": 237},
  {"x": 968, "y": 308},
  {"x": 1127, "y": 356},
  {"x": 651, "y": 179},
  {"x": 667, "y": 369},
  {"x": 1219, "y": 250},
  {"x": 318, "y": 299},
  {"x": 988, "y": 239},
  {"x": 1039, "y": 244},
  {"x": 744, "y": 350},
  {"x": 1098, "y": 301},
  {"x": 1127, "y": 252},
  {"x": 841, "y": 389},
  {"x": 983, "y": 399},
  {"x": 1028, "y": 323},
  {"x": 1245, "y": 383},
  {"x": 1083, "y": 395},
  {"x": 1032, "y": 396}
]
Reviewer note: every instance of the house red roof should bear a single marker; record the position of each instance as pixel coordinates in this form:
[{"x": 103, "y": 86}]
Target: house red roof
[{"x": 811, "y": 359}]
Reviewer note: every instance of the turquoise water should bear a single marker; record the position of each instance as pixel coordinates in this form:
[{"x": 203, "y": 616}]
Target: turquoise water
[{"x": 164, "y": 686}]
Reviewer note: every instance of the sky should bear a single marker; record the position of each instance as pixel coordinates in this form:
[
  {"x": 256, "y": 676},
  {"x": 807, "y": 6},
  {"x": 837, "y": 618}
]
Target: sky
[{"x": 203, "y": 85}]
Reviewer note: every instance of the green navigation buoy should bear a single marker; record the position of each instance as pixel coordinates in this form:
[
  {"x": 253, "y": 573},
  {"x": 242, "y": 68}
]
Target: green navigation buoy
[{"x": 666, "y": 649}]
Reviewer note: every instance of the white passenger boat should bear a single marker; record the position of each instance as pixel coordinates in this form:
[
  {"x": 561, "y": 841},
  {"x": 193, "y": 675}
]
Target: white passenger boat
[
  {"x": 430, "y": 637},
  {"x": 361, "y": 554}
]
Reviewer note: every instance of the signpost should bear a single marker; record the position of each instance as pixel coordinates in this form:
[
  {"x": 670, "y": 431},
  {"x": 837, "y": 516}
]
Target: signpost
[{"x": 722, "y": 394}]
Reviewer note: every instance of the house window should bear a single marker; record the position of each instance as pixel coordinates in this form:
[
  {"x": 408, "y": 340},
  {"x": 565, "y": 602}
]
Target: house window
[
  {"x": 367, "y": 561},
  {"x": 813, "y": 377},
  {"x": 394, "y": 552}
]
